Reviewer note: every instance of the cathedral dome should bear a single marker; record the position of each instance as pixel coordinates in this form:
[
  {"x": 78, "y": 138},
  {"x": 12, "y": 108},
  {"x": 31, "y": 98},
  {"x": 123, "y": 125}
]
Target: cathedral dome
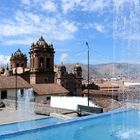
[
  {"x": 18, "y": 59},
  {"x": 41, "y": 43},
  {"x": 18, "y": 53}
]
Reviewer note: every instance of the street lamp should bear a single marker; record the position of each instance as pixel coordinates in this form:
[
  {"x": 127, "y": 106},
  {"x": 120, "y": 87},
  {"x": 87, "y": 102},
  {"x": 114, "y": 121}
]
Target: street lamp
[
  {"x": 88, "y": 71},
  {"x": 16, "y": 86}
]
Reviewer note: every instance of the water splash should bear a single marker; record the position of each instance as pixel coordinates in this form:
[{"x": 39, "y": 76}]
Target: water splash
[
  {"x": 127, "y": 134},
  {"x": 25, "y": 105},
  {"x": 126, "y": 36}
]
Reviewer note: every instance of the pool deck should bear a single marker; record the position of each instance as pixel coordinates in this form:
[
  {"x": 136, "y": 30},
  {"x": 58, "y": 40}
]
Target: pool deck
[{"x": 9, "y": 116}]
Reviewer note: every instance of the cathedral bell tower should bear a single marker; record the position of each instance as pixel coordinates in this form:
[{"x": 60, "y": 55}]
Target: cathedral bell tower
[
  {"x": 18, "y": 59},
  {"x": 41, "y": 62}
]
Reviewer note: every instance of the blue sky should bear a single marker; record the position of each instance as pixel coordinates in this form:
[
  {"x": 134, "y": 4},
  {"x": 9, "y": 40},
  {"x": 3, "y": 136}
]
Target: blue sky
[{"x": 68, "y": 24}]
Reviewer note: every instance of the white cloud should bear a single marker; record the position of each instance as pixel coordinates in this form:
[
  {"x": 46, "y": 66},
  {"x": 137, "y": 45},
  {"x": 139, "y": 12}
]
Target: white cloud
[
  {"x": 49, "y": 6},
  {"x": 97, "y": 27},
  {"x": 85, "y": 5},
  {"x": 119, "y": 3},
  {"x": 95, "y": 5},
  {"x": 26, "y": 2},
  {"x": 4, "y": 59},
  {"x": 69, "y": 26},
  {"x": 22, "y": 41},
  {"x": 30, "y": 24},
  {"x": 64, "y": 57},
  {"x": 67, "y": 5}
]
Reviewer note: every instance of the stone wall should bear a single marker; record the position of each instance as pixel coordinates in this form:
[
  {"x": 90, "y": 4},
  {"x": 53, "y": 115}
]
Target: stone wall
[{"x": 39, "y": 108}]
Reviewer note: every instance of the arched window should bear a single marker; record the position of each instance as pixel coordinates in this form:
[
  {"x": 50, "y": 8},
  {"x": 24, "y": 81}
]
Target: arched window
[
  {"x": 45, "y": 80},
  {"x": 48, "y": 63},
  {"x": 62, "y": 73},
  {"x": 17, "y": 65},
  {"x": 79, "y": 73},
  {"x": 41, "y": 62}
]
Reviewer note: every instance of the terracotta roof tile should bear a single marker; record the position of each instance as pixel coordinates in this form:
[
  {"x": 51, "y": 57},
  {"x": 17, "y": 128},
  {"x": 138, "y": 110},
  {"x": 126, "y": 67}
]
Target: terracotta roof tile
[
  {"x": 9, "y": 82},
  {"x": 107, "y": 103},
  {"x": 100, "y": 92},
  {"x": 49, "y": 89}
]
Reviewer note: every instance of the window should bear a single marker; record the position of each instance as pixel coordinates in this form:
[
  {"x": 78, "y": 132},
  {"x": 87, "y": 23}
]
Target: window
[
  {"x": 62, "y": 73},
  {"x": 41, "y": 62},
  {"x": 46, "y": 80},
  {"x": 3, "y": 94},
  {"x": 48, "y": 98},
  {"x": 17, "y": 65},
  {"x": 22, "y": 93},
  {"x": 79, "y": 73},
  {"x": 48, "y": 63}
]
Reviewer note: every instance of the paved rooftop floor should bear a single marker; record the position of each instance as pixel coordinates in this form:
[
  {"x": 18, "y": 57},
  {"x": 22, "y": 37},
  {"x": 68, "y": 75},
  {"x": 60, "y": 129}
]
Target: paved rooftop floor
[{"x": 8, "y": 116}]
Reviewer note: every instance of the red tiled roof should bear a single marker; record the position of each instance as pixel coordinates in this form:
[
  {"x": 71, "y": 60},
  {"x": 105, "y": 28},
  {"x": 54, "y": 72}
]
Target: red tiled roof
[
  {"x": 9, "y": 82},
  {"x": 49, "y": 89},
  {"x": 107, "y": 103},
  {"x": 100, "y": 92}
]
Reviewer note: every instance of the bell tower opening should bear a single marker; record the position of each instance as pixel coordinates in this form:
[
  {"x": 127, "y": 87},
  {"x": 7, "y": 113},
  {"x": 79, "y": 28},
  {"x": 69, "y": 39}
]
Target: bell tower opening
[
  {"x": 41, "y": 63},
  {"x": 48, "y": 63}
]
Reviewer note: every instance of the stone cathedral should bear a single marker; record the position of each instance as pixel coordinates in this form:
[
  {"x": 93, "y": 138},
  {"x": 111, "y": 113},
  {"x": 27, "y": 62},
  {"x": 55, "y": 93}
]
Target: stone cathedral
[{"x": 41, "y": 68}]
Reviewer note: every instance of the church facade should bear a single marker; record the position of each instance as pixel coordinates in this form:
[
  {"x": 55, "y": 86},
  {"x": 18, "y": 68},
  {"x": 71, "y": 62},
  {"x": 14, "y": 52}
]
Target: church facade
[
  {"x": 71, "y": 81},
  {"x": 41, "y": 68}
]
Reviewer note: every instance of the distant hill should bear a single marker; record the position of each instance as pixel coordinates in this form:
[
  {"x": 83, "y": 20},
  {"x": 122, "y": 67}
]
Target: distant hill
[
  {"x": 109, "y": 70},
  {"x": 124, "y": 70}
]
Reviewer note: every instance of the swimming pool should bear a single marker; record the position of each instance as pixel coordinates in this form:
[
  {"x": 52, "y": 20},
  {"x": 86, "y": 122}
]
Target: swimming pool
[
  {"x": 27, "y": 125},
  {"x": 107, "y": 126}
]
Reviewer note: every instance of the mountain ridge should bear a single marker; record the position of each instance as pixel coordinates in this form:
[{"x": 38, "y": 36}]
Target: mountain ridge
[{"x": 109, "y": 70}]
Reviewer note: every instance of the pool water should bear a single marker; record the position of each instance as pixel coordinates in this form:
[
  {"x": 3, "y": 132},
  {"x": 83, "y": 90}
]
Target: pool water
[
  {"x": 27, "y": 125},
  {"x": 107, "y": 126}
]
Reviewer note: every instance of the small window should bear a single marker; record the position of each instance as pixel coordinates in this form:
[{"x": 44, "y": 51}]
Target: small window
[
  {"x": 3, "y": 94},
  {"x": 62, "y": 73},
  {"x": 79, "y": 73},
  {"x": 22, "y": 93},
  {"x": 48, "y": 63},
  {"x": 48, "y": 98},
  {"x": 17, "y": 65},
  {"x": 45, "y": 80},
  {"x": 41, "y": 62}
]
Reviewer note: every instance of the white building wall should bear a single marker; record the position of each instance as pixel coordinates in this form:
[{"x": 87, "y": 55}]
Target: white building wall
[
  {"x": 11, "y": 93},
  {"x": 69, "y": 102},
  {"x": 131, "y": 84}
]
